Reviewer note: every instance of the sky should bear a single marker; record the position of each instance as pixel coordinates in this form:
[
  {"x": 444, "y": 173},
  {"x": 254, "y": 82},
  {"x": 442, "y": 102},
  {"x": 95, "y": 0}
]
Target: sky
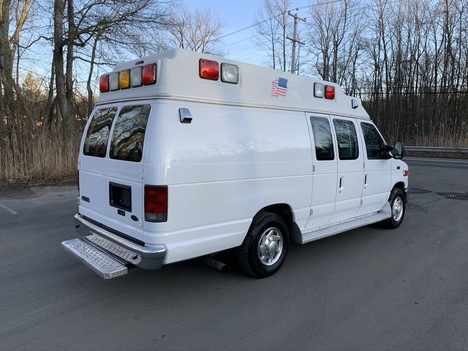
[{"x": 237, "y": 16}]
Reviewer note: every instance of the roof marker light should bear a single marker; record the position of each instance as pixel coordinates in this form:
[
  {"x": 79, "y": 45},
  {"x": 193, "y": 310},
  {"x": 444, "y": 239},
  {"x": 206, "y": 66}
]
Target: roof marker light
[
  {"x": 209, "y": 69},
  {"x": 229, "y": 73},
  {"x": 329, "y": 92}
]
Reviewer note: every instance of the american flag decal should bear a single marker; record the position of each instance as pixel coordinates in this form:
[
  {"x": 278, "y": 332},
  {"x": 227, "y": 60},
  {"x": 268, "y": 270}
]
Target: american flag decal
[{"x": 279, "y": 87}]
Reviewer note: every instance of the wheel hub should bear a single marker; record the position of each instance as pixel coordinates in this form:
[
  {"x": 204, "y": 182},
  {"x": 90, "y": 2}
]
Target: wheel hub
[{"x": 270, "y": 246}]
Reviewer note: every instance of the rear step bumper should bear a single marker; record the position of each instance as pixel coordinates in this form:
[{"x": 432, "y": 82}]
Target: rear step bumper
[{"x": 108, "y": 254}]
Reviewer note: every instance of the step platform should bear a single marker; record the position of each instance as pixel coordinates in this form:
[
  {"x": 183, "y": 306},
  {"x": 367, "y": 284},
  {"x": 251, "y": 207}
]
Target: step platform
[{"x": 102, "y": 263}]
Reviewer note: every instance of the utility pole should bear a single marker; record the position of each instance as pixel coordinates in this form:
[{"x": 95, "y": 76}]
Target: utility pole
[{"x": 294, "y": 39}]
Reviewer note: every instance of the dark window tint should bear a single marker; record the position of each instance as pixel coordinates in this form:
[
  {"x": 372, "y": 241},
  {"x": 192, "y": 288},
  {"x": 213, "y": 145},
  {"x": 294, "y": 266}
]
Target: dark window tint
[
  {"x": 322, "y": 138},
  {"x": 346, "y": 137},
  {"x": 129, "y": 133},
  {"x": 98, "y": 132},
  {"x": 374, "y": 142}
]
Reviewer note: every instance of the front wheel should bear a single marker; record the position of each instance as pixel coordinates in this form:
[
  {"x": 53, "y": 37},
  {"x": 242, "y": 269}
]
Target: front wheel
[
  {"x": 265, "y": 247},
  {"x": 397, "y": 207}
]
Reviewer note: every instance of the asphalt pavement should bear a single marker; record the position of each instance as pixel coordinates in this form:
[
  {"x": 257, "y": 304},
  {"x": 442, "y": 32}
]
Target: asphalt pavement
[{"x": 367, "y": 289}]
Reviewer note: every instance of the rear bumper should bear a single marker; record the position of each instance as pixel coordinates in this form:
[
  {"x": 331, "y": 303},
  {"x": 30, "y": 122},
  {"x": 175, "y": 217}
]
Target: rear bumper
[{"x": 100, "y": 249}]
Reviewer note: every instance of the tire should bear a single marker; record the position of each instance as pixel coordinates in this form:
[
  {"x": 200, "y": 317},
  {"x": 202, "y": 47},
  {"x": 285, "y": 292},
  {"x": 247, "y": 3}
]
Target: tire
[
  {"x": 398, "y": 208},
  {"x": 265, "y": 246}
]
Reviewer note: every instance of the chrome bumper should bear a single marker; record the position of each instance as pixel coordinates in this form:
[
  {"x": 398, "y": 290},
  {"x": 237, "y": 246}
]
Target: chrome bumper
[{"x": 109, "y": 254}]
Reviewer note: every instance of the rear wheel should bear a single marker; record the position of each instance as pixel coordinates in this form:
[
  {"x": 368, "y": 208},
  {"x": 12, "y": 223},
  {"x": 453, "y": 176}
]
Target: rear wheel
[
  {"x": 265, "y": 247},
  {"x": 397, "y": 207}
]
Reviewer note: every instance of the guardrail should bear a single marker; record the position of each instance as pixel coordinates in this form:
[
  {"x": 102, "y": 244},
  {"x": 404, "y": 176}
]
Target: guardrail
[{"x": 462, "y": 150}]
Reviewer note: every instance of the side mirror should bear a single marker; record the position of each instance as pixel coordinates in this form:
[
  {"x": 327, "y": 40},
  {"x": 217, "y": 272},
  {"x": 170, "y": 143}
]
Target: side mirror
[{"x": 398, "y": 150}]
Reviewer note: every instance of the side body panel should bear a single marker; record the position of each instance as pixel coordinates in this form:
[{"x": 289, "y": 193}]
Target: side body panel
[{"x": 220, "y": 169}]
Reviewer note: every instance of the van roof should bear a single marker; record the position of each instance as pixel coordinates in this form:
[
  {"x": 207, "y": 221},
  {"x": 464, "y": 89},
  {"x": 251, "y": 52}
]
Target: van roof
[{"x": 178, "y": 77}]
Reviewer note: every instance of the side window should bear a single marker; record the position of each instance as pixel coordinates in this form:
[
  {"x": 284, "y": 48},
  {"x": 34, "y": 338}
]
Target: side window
[
  {"x": 129, "y": 133},
  {"x": 346, "y": 137},
  {"x": 98, "y": 132},
  {"x": 374, "y": 142},
  {"x": 322, "y": 138}
]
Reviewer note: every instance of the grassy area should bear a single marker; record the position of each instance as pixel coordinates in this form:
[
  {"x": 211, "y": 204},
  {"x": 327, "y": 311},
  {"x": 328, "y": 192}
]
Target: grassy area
[
  {"x": 46, "y": 158},
  {"x": 43, "y": 158}
]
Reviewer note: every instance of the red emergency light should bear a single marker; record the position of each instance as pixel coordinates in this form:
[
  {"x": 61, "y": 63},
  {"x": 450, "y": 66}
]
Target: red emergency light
[
  {"x": 329, "y": 92},
  {"x": 104, "y": 84},
  {"x": 209, "y": 69}
]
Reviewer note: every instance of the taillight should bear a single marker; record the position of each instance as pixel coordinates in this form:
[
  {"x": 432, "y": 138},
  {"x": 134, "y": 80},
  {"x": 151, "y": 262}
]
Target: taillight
[{"x": 156, "y": 203}]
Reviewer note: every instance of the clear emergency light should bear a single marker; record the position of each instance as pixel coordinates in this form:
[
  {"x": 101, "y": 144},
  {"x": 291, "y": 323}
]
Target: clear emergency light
[{"x": 229, "y": 73}]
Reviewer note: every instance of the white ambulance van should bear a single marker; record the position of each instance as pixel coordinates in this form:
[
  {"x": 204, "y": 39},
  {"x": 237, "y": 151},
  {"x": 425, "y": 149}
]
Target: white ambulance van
[{"x": 187, "y": 155}]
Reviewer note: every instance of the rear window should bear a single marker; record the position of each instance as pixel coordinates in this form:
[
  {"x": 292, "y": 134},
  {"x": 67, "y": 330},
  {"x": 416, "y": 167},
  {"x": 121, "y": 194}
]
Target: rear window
[
  {"x": 129, "y": 133},
  {"x": 98, "y": 132}
]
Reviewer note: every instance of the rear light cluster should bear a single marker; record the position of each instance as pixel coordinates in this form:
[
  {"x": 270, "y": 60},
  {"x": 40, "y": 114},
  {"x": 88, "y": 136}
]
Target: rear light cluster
[
  {"x": 324, "y": 91},
  {"x": 128, "y": 78},
  {"x": 211, "y": 70},
  {"x": 156, "y": 198}
]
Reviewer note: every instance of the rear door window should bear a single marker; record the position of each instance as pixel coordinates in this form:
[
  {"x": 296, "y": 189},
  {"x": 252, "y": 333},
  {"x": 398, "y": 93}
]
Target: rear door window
[
  {"x": 129, "y": 133},
  {"x": 98, "y": 132}
]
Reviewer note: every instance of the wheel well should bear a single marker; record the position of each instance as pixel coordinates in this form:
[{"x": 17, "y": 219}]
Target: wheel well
[
  {"x": 400, "y": 186},
  {"x": 282, "y": 210}
]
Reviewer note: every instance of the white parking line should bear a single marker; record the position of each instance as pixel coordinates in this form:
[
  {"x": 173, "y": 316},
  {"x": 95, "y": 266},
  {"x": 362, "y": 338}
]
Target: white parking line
[{"x": 13, "y": 212}]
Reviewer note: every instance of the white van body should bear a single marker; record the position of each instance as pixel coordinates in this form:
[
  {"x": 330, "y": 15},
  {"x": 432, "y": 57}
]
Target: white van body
[{"x": 228, "y": 156}]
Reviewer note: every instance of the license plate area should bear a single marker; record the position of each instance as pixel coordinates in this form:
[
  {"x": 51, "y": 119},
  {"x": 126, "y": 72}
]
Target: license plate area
[{"x": 120, "y": 196}]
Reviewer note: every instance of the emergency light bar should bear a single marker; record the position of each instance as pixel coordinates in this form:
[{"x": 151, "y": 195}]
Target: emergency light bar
[{"x": 135, "y": 77}]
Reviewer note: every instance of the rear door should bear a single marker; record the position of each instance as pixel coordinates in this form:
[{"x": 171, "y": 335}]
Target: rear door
[{"x": 111, "y": 167}]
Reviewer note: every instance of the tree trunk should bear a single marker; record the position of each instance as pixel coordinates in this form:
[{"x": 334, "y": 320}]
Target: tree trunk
[{"x": 63, "y": 101}]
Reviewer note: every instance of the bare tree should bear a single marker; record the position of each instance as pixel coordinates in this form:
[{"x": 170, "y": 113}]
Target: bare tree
[
  {"x": 79, "y": 29},
  {"x": 198, "y": 31},
  {"x": 272, "y": 27},
  {"x": 334, "y": 38},
  {"x": 11, "y": 95}
]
